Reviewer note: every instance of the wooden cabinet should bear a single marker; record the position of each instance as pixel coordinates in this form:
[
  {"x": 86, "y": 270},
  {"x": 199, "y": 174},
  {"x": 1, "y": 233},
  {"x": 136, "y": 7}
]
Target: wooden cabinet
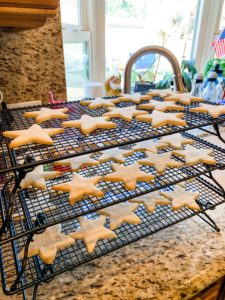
[
  {"x": 215, "y": 291},
  {"x": 22, "y": 14}
]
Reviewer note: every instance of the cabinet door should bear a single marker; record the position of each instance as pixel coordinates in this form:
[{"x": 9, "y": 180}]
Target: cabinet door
[
  {"x": 213, "y": 292},
  {"x": 47, "y": 4}
]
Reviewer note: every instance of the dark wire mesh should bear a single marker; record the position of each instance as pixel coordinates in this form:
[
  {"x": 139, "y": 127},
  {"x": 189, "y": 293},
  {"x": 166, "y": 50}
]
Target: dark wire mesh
[
  {"x": 56, "y": 207},
  {"x": 73, "y": 140},
  {"x": 37, "y": 271}
]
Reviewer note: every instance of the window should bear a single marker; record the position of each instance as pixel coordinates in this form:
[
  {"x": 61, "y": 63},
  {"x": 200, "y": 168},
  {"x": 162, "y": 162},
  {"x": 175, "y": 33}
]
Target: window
[
  {"x": 76, "y": 44},
  {"x": 133, "y": 24}
]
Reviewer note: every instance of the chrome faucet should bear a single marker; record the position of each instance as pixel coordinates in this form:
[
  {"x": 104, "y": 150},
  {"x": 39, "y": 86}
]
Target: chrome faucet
[{"x": 178, "y": 82}]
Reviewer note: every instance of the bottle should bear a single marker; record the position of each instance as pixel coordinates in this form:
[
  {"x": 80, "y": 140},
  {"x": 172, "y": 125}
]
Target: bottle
[
  {"x": 220, "y": 83},
  {"x": 209, "y": 92},
  {"x": 219, "y": 73},
  {"x": 197, "y": 88}
]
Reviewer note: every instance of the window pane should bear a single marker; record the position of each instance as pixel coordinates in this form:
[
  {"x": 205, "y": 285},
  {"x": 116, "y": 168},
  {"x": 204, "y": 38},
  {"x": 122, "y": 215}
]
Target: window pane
[
  {"x": 222, "y": 21},
  {"x": 69, "y": 12},
  {"x": 132, "y": 24},
  {"x": 77, "y": 68}
]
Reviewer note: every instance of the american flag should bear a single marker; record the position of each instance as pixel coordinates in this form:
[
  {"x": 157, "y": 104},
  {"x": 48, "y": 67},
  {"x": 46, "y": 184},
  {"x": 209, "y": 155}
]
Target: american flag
[{"x": 219, "y": 45}]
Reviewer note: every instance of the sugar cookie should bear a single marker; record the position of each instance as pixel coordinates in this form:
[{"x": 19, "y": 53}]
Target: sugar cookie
[
  {"x": 181, "y": 198},
  {"x": 45, "y": 114},
  {"x": 193, "y": 156},
  {"x": 135, "y": 98},
  {"x": 149, "y": 145},
  {"x": 176, "y": 140},
  {"x": 158, "y": 119},
  {"x": 184, "y": 98},
  {"x": 121, "y": 213},
  {"x": 125, "y": 113},
  {"x": 115, "y": 154},
  {"x": 213, "y": 110},
  {"x": 34, "y": 134},
  {"x": 37, "y": 177},
  {"x": 47, "y": 244},
  {"x": 129, "y": 175},
  {"x": 97, "y": 102},
  {"x": 161, "y": 93},
  {"x": 80, "y": 186},
  {"x": 151, "y": 200},
  {"x": 160, "y": 161},
  {"x": 87, "y": 124},
  {"x": 162, "y": 106},
  {"x": 91, "y": 231},
  {"x": 76, "y": 163}
]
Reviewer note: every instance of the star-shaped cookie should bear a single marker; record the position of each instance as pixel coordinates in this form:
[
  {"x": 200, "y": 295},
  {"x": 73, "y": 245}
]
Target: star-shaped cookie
[
  {"x": 161, "y": 93},
  {"x": 97, "y": 102},
  {"x": 159, "y": 118},
  {"x": 129, "y": 175},
  {"x": 213, "y": 110},
  {"x": 115, "y": 154},
  {"x": 193, "y": 156},
  {"x": 34, "y": 134},
  {"x": 160, "y": 161},
  {"x": 76, "y": 163},
  {"x": 135, "y": 98},
  {"x": 151, "y": 200},
  {"x": 45, "y": 114},
  {"x": 80, "y": 186},
  {"x": 48, "y": 243},
  {"x": 37, "y": 177},
  {"x": 162, "y": 106},
  {"x": 181, "y": 198},
  {"x": 184, "y": 98},
  {"x": 125, "y": 113},
  {"x": 120, "y": 213},
  {"x": 87, "y": 124},
  {"x": 149, "y": 145},
  {"x": 91, "y": 231},
  {"x": 176, "y": 140}
]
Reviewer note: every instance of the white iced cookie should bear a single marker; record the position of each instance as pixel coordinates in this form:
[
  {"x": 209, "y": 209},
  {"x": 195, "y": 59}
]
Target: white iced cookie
[
  {"x": 193, "y": 156},
  {"x": 151, "y": 200},
  {"x": 160, "y": 161},
  {"x": 37, "y": 177},
  {"x": 91, "y": 231},
  {"x": 176, "y": 140},
  {"x": 129, "y": 175},
  {"x": 115, "y": 154},
  {"x": 181, "y": 198},
  {"x": 121, "y": 213},
  {"x": 48, "y": 243},
  {"x": 76, "y": 163}
]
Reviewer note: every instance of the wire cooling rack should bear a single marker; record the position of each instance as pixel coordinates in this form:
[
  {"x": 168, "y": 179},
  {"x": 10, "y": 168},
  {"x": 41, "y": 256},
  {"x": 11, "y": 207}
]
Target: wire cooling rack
[
  {"x": 37, "y": 271},
  {"x": 73, "y": 140},
  {"x": 31, "y": 201}
]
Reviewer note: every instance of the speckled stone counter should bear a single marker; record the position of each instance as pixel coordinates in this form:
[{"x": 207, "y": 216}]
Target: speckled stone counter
[{"x": 173, "y": 264}]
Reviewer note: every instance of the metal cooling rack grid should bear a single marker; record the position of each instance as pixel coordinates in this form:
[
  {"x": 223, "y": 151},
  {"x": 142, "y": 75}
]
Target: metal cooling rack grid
[
  {"x": 37, "y": 271},
  {"x": 32, "y": 201},
  {"x": 125, "y": 133}
]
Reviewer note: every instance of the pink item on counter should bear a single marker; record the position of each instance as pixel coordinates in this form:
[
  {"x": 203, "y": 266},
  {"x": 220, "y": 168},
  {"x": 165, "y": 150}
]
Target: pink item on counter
[{"x": 52, "y": 99}]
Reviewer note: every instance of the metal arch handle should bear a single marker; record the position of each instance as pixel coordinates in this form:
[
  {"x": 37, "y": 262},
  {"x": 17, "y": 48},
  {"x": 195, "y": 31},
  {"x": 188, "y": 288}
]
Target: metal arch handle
[{"x": 179, "y": 86}]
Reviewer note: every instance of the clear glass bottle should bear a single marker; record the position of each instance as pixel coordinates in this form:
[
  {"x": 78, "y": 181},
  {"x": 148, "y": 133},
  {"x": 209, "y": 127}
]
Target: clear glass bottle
[
  {"x": 210, "y": 93},
  {"x": 197, "y": 88}
]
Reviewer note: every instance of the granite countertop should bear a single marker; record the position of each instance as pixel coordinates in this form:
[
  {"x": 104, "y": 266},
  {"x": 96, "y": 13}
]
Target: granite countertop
[{"x": 175, "y": 263}]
